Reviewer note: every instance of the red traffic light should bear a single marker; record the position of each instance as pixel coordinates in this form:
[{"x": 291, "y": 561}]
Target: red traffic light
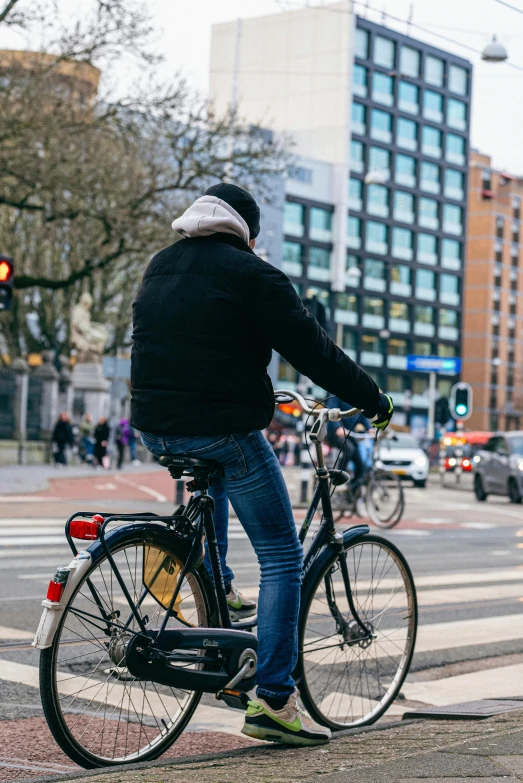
[{"x": 6, "y": 270}]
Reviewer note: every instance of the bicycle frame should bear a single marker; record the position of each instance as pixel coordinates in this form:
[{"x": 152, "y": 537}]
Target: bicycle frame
[{"x": 199, "y": 512}]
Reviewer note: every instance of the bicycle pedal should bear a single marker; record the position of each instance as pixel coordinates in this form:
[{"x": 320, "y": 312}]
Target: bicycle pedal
[{"x": 235, "y": 699}]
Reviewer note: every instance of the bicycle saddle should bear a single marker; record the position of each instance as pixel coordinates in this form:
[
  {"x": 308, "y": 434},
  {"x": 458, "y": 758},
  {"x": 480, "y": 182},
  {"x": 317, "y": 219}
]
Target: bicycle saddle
[{"x": 185, "y": 462}]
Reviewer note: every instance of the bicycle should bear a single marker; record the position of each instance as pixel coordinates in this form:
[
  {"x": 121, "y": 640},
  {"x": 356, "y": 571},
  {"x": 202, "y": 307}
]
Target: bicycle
[
  {"x": 134, "y": 630},
  {"x": 381, "y": 490}
]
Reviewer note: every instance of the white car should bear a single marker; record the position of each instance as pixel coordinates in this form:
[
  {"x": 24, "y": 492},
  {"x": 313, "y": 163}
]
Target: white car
[{"x": 401, "y": 454}]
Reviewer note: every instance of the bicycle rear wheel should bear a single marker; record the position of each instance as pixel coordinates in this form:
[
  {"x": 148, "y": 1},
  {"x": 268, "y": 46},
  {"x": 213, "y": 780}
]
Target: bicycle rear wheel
[
  {"x": 98, "y": 712},
  {"x": 385, "y": 498},
  {"x": 348, "y": 678}
]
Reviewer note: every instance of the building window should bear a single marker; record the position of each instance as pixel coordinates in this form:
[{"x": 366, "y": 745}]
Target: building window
[
  {"x": 361, "y": 43},
  {"x": 428, "y": 213},
  {"x": 381, "y": 125},
  {"x": 423, "y": 348},
  {"x": 404, "y": 207},
  {"x": 448, "y": 324},
  {"x": 424, "y": 321},
  {"x": 427, "y": 249},
  {"x": 374, "y": 275},
  {"x": 322, "y": 295},
  {"x": 396, "y": 353},
  {"x": 516, "y": 204},
  {"x": 359, "y": 118},
  {"x": 405, "y": 171},
  {"x": 378, "y": 200},
  {"x": 357, "y": 159},
  {"x": 319, "y": 264},
  {"x": 353, "y": 271},
  {"x": 402, "y": 243},
  {"x": 408, "y": 97},
  {"x": 457, "y": 114},
  {"x": 434, "y": 71},
  {"x": 433, "y": 106},
  {"x": 292, "y": 259},
  {"x": 353, "y": 232},
  {"x": 355, "y": 194},
  {"x": 384, "y": 52},
  {"x": 286, "y": 373},
  {"x": 396, "y": 384},
  {"x": 457, "y": 80},
  {"x": 431, "y": 141},
  {"x": 446, "y": 351},
  {"x": 294, "y": 219},
  {"x": 346, "y": 309},
  {"x": 320, "y": 224},
  {"x": 455, "y": 149},
  {"x": 486, "y": 179},
  {"x": 449, "y": 290},
  {"x": 452, "y": 219},
  {"x": 409, "y": 61},
  {"x": 373, "y": 312},
  {"x": 515, "y": 231},
  {"x": 376, "y": 237},
  {"x": 349, "y": 342},
  {"x": 359, "y": 81},
  {"x": 399, "y": 317},
  {"x": 371, "y": 350},
  {"x": 407, "y": 134},
  {"x": 379, "y": 160},
  {"x": 382, "y": 88},
  {"x": 451, "y": 253},
  {"x": 430, "y": 174},
  {"x": 425, "y": 285},
  {"x": 455, "y": 184},
  {"x": 400, "y": 280}
]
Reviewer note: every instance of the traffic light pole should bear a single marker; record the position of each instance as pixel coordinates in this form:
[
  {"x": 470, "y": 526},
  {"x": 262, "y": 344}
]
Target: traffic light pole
[
  {"x": 432, "y": 406},
  {"x": 459, "y": 452}
]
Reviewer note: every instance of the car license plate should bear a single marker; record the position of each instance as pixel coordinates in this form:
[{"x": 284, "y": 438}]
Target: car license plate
[{"x": 399, "y": 471}]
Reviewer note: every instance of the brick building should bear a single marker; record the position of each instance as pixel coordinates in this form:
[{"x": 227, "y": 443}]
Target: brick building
[{"x": 493, "y": 297}]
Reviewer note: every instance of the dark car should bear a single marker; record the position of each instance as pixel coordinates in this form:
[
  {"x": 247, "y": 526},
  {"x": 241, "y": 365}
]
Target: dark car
[{"x": 498, "y": 467}]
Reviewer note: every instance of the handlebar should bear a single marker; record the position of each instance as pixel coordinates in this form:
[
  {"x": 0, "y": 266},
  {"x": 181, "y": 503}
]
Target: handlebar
[{"x": 334, "y": 414}]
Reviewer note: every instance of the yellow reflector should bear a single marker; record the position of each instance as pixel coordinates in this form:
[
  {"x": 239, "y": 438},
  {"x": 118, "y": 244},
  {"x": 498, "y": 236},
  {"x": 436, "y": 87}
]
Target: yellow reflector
[{"x": 161, "y": 572}]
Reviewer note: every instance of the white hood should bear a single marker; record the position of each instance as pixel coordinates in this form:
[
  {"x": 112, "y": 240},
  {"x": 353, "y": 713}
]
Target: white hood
[{"x": 211, "y": 215}]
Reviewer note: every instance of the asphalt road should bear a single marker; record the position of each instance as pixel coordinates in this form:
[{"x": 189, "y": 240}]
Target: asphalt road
[{"x": 466, "y": 558}]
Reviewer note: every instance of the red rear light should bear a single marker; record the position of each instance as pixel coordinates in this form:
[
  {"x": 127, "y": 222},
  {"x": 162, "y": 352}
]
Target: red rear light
[
  {"x": 86, "y": 530},
  {"x": 55, "y": 590}
]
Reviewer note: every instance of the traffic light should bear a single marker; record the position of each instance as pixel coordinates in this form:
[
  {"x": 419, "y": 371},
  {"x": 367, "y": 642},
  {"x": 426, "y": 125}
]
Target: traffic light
[
  {"x": 6, "y": 282},
  {"x": 461, "y": 401},
  {"x": 442, "y": 411}
]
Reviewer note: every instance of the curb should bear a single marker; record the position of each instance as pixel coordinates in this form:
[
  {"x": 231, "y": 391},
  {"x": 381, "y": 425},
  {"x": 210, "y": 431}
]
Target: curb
[{"x": 226, "y": 754}]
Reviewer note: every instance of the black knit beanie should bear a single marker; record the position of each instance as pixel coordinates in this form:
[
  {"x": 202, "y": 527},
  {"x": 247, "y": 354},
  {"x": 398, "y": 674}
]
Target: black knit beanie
[{"x": 240, "y": 200}]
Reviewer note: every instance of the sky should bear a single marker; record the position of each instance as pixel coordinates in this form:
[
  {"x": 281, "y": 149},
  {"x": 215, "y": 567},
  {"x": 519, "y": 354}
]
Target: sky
[{"x": 183, "y": 36}]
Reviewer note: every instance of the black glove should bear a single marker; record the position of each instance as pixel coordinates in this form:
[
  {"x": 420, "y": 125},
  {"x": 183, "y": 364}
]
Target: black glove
[{"x": 384, "y": 412}]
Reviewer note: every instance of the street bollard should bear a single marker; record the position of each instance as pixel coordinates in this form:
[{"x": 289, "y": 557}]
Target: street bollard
[{"x": 304, "y": 486}]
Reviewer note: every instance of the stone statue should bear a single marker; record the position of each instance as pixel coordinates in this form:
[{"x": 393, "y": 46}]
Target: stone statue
[{"x": 88, "y": 337}]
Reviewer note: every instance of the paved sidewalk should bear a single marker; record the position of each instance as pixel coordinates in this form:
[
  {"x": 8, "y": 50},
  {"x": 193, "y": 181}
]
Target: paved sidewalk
[{"x": 486, "y": 751}]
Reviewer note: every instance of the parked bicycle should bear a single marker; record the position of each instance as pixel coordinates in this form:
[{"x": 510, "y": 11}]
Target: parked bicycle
[
  {"x": 380, "y": 491},
  {"x": 134, "y": 630}
]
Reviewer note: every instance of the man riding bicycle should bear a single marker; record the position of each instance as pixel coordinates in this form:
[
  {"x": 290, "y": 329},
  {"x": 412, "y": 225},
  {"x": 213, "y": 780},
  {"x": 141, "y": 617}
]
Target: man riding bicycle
[{"x": 206, "y": 319}]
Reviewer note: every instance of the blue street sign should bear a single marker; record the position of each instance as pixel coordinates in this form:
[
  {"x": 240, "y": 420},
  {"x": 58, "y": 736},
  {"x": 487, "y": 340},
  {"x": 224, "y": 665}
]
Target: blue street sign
[{"x": 447, "y": 365}]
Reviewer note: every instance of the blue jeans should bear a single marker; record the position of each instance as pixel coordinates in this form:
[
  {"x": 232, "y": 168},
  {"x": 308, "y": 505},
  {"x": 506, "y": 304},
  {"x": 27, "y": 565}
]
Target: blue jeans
[{"x": 254, "y": 483}]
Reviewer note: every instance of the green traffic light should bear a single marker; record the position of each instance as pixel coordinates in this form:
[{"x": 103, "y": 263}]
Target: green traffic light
[{"x": 461, "y": 409}]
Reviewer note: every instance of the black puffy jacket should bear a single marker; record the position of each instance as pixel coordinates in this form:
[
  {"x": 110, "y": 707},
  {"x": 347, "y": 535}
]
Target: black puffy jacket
[{"x": 206, "y": 318}]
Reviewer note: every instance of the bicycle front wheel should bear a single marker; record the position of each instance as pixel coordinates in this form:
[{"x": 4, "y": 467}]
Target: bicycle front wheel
[
  {"x": 349, "y": 677},
  {"x": 385, "y": 498},
  {"x": 97, "y": 711}
]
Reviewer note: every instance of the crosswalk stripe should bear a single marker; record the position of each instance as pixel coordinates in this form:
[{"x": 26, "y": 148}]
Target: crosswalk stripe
[
  {"x": 205, "y": 719},
  {"x": 501, "y": 682}
]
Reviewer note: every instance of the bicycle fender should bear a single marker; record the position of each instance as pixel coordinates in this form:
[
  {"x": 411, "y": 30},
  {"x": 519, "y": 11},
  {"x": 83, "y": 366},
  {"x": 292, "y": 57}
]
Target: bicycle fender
[{"x": 53, "y": 610}]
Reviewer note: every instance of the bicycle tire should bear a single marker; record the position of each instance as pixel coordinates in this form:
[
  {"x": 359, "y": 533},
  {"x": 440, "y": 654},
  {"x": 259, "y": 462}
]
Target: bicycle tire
[
  {"x": 379, "y": 485},
  {"x": 334, "y": 696},
  {"x": 58, "y": 713},
  {"x": 342, "y": 504}
]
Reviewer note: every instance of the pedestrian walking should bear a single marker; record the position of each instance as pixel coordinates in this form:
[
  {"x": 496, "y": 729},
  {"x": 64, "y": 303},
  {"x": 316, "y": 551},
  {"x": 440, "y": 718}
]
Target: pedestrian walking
[
  {"x": 125, "y": 437},
  {"x": 86, "y": 438},
  {"x": 101, "y": 438},
  {"x": 61, "y": 438}
]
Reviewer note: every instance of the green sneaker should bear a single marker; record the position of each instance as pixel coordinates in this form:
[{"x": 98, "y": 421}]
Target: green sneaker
[
  {"x": 239, "y": 606},
  {"x": 290, "y": 725}
]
